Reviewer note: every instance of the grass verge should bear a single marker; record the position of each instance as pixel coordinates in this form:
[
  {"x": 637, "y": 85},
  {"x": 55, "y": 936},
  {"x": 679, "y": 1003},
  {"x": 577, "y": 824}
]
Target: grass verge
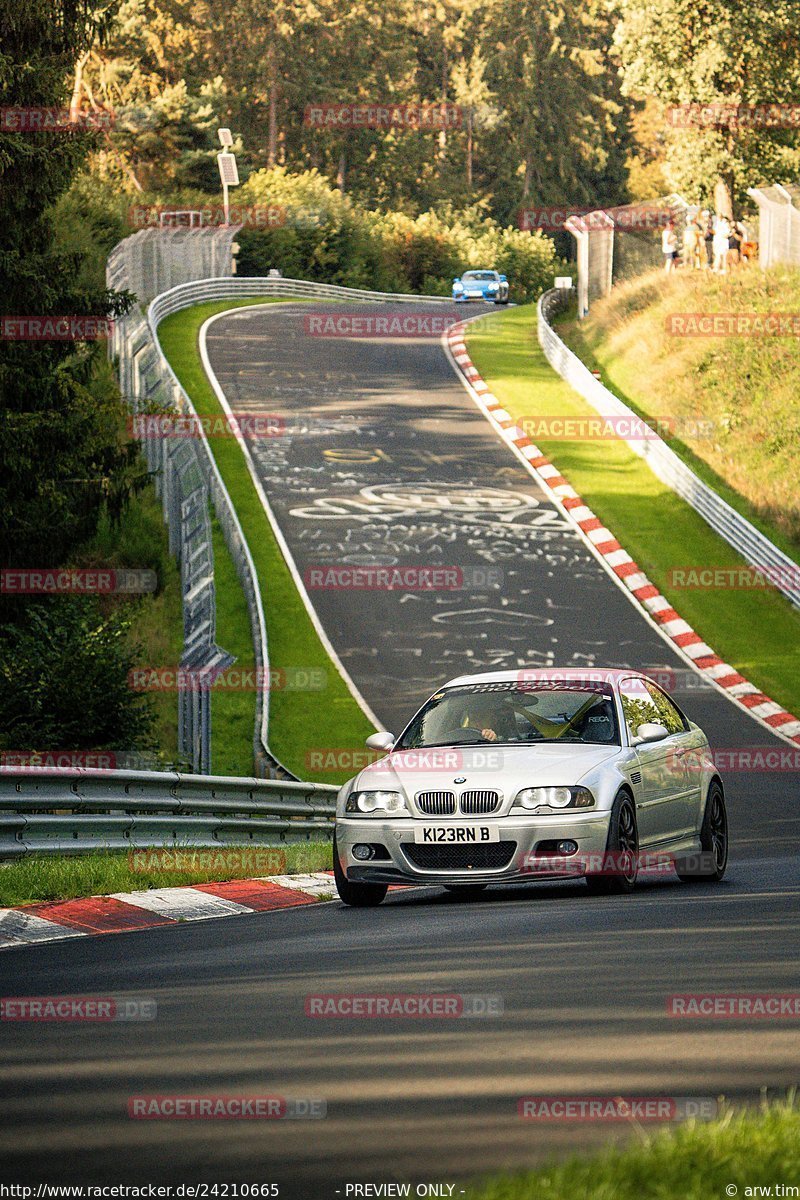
[
  {"x": 299, "y": 721},
  {"x": 233, "y": 713},
  {"x": 45, "y": 877},
  {"x": 757, "y": 631},
  {"x": 734, "y": 1155},
  {"x": 730, "y": 402}
]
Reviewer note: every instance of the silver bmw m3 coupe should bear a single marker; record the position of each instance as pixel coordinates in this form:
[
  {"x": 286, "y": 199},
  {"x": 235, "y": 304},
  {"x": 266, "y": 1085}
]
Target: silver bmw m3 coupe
[{"x": 524, "y": 775}]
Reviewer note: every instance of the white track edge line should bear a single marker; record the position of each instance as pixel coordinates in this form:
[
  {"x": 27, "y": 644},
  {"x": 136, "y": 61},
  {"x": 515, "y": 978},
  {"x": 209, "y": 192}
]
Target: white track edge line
[{"x": 262, "y": 495}]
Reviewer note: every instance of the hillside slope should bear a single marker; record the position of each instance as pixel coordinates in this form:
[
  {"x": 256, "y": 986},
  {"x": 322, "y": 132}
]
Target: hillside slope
[{"x": 733, "y": 402}]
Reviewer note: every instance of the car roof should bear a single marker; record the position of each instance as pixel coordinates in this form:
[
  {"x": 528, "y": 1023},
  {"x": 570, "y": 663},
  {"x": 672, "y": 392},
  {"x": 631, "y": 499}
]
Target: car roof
[
  {"x": 480, "y": 271},
  {"x": 549, "y": 675}
]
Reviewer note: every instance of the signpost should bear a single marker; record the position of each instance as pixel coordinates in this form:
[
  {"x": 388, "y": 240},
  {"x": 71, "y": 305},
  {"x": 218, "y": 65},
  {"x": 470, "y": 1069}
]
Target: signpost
[{"x": 228, "y": 170}]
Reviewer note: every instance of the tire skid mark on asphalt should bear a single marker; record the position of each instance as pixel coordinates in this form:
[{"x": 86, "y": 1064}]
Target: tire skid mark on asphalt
[{"x": 429, "y": 486}]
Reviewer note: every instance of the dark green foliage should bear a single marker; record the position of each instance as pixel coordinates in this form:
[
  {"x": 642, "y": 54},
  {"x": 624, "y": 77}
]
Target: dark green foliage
[{"x": 64, "y": 680}]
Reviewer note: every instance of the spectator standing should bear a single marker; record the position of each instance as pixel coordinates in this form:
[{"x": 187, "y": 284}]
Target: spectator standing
[
  {"x": 691, "y": 245},
  {"x": 669, "y": 246},
  {"x": 708, "y": 237},
  {"x": 722, "y": 234},
  {"x": 735, "y": 243}
]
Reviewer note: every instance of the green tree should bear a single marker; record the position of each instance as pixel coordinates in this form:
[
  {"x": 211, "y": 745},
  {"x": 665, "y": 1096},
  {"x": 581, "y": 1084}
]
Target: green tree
[
  {"x": 64, "y": 680},
  {"x": 472, "y": 93},
  {"x": 64, "y": 435},
  {"x": 701, "y": 52},
  {"x": 563, "y": 134}
]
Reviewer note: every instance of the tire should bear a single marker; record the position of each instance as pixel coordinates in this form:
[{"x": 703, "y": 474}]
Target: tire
[
  {"x": 356, "y": 895},
  {"x": 713, "y": 842},
  {"x": 623, "y": 838},
  {"x": 466, "y": 891}
]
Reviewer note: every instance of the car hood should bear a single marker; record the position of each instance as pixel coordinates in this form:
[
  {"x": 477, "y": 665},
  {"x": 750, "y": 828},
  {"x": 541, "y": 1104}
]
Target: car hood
[{"x": 484, "y": 766}]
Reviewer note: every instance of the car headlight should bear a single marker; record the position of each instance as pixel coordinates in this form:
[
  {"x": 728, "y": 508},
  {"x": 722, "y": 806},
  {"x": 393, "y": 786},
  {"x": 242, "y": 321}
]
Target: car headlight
[
  {"x": 493, "y": 287},
  {"x": 458, "y": 287},
  {"x": 554, "y": 797},
  {"x": 372, "y": 802}
]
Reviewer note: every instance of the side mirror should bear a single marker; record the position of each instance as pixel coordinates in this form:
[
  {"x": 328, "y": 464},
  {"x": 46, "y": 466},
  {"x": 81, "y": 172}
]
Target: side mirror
[
  {"x": 503, "y": 279},
  {"x": 380, "y": 741},
  {"x": 457, "y": 279},
  {"x": 650, "y": 731}
]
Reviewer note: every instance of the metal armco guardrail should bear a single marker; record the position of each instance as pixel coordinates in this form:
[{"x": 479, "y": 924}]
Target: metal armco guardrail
[
  {"x": 63, "y": 811},
  {"x": 754, "y": 547},
  {"x": 238, "y": 287},
  {"x": 187, "y": 475},
  {"x": 186, "y": 295}
]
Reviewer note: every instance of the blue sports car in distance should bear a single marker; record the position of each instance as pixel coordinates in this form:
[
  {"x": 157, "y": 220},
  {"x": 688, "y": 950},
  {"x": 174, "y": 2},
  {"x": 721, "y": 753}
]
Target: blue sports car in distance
[{"x": 481, "y": 285}]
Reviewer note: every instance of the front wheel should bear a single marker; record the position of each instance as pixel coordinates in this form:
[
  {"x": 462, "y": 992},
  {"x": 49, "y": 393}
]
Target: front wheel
[
  {"x": 621, "y": 864},
  {"x": 356, "y": 895},
  {"x": 713, "y": 843}
]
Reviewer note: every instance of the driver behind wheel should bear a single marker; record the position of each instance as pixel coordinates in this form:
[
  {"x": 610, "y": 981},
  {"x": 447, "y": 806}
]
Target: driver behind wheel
[
  {"x": 481, "y": 716},
  {"x": 494, "y": 719}
]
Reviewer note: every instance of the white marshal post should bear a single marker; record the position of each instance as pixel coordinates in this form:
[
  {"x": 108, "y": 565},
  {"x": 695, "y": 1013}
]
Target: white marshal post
[{"x": 228, "y": 170}]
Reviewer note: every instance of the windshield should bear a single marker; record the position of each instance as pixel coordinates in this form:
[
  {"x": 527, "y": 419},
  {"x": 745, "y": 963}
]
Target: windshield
[
  {"x": 514, "y": 713},
  {"x": 479, "y": 275}
]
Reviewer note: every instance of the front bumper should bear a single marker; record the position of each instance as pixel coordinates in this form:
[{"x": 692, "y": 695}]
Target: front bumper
[{"x": 589, "y": 830}]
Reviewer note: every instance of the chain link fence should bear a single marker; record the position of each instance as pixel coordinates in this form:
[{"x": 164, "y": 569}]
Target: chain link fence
[
  {"x": 184, "y": 473},
  {"x": 154, "y": 260},
  {"x": 778, "y": 224},
  {"x": 171, "y": 269},
  {"x": 621, "y": 243}
]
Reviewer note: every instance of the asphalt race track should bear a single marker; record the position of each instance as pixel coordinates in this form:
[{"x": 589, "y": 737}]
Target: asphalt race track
[{"x": 391, "y": 462}]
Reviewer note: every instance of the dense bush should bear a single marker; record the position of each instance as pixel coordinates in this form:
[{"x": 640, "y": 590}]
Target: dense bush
[
  {"x": 324, "y": 236},
  {"x": 64, "y": 680}
]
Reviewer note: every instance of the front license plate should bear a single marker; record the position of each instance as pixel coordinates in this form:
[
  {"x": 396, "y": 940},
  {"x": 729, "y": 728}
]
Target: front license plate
[{"x": 464, "y": 835}]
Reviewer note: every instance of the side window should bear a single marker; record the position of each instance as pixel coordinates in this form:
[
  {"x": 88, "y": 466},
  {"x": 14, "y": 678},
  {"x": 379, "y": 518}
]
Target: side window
[
  {"x": 638, "y": 705},
  {"x": 669, "y": 714}
]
